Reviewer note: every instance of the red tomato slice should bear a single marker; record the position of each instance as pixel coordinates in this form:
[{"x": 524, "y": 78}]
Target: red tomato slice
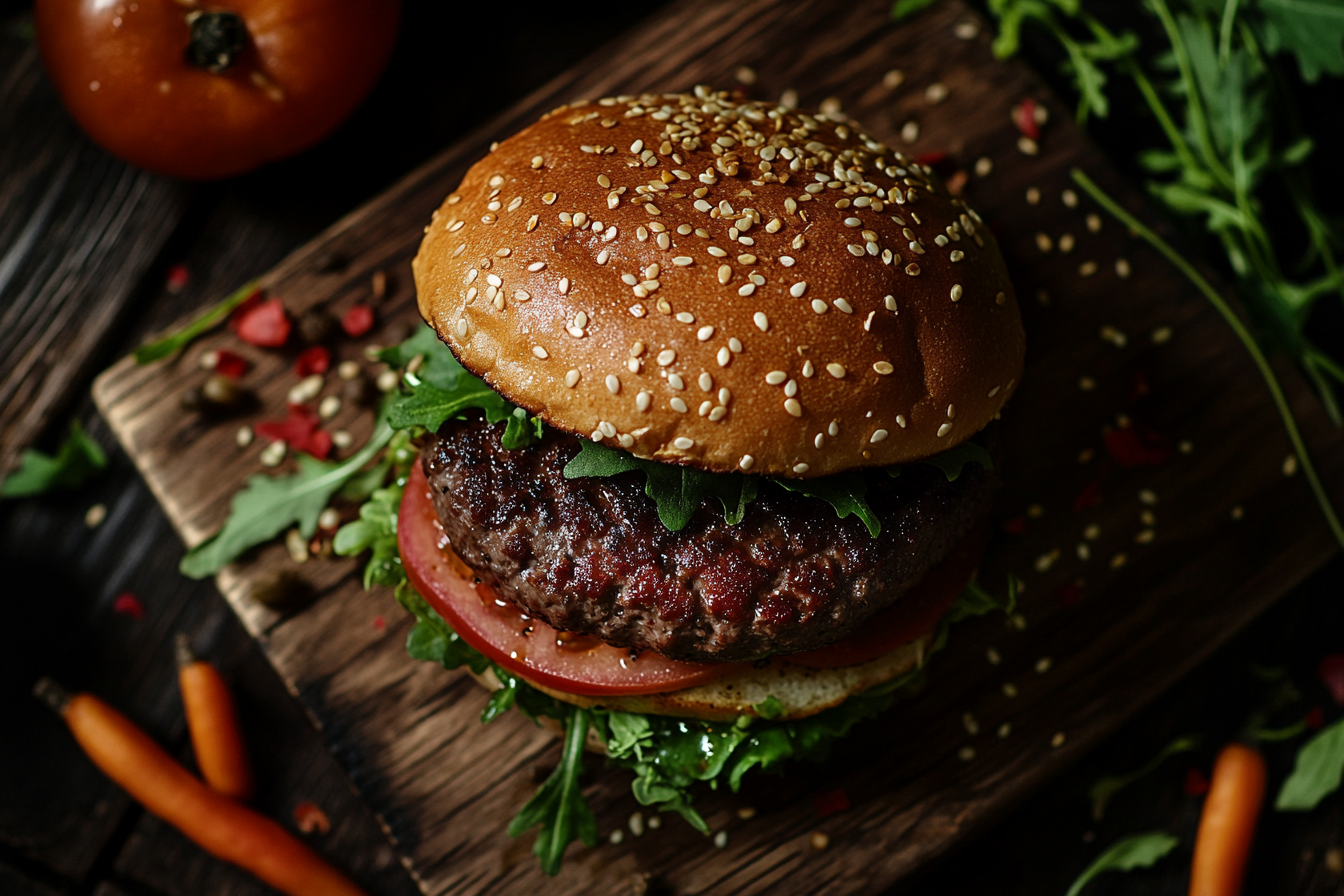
[
  {"x": 573, "y": 663},
  {"x": 578, "y": 664}
]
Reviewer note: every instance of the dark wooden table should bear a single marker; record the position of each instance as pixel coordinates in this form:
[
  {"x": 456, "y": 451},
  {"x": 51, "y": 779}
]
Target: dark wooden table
[{"x": 85, "y": 246}]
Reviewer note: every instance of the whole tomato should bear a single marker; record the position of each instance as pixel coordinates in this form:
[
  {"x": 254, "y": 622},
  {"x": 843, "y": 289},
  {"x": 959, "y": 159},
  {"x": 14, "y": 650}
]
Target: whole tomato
[{"x": 202, "y": 91}]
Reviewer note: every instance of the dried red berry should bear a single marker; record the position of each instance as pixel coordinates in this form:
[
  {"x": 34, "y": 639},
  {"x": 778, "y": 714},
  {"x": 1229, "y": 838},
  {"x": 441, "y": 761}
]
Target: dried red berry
[
  {"x": 1024, "y": 118},
  {"x": 1196, "y": 783},
  {"x": 127, "y": 604},
  {"x": 230, "y": 364},
  {"x": 178, "y": 278},
  {"x": 313, "y": 360},
  {"x": 264, "y": 323},
  {"x": 299, "y": 431},
  {"x": 357, "y": 321},
  {"x": 1331, "y": 671},
  {"x": 830, "y": 802},
  {"x": 379, "y": 623}
]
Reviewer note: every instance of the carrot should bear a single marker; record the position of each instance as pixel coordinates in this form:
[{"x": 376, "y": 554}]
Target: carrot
[
  {"x": 220, "y": 754},
  {"x": 222, "y": 827},
  {"x": 1227, "y": 824}
]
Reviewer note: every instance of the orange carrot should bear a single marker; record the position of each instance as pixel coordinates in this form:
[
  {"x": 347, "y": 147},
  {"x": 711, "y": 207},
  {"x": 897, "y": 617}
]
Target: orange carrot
[
  {"x": 224, "y": 828},
  {"x": 220, "y": 753},
  {"x": 1228, "y": 823}
]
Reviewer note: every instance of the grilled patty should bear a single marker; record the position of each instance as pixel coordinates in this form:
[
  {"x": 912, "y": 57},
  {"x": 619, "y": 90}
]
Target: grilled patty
[{"x": 591, "y": 556}]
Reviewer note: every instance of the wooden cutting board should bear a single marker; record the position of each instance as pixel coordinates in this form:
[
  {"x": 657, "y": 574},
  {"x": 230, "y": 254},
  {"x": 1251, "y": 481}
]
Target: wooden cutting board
[{"x": 1133, "y": 573}]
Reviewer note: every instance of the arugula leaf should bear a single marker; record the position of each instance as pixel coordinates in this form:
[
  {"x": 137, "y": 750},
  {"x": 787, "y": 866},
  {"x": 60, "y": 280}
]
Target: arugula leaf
[
  {"x": 677, "y": 490},
  {"x": 1126, "y": 854},
  {"x": 375, "y": 531},
  {"x": 1317, "y": 772},
  {"x": 953, "y": 461},
  {"x": 432, "y": 639},
  {"x": 208, "y": 320},
  {"x": 440, "y": 388},
  {"x": 559, "y": 807},
  {"x": 77, "y": 460},
  {"x": 270, "y": 504},
  {"x": 904, "y": 9},
  {"x": 1101, "y": 792},
  {"x": 1312, "y": 30},
  {"x": 843, "y": 491},
  {"x": 769, "y": 708},
  {"x": 974, "y": 600}
]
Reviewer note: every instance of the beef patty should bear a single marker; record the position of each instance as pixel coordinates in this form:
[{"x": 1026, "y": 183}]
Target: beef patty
[{"x": 591, "y": 556}]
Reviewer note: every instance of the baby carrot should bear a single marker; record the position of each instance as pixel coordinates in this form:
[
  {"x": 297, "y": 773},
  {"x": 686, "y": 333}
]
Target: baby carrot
[
  {"x": 220, "y": 753},
  {"x": 1227, "y": 824},
  {"x": 224, "y": 828}
]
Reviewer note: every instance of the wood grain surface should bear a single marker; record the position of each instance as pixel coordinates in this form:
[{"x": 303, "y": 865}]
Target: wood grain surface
[{"x": 1183, "y": 552}]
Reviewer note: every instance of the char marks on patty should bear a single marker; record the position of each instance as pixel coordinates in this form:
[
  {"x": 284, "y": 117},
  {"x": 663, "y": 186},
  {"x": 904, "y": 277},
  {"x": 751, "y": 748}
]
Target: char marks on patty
[{"x": 591, "y": 556}]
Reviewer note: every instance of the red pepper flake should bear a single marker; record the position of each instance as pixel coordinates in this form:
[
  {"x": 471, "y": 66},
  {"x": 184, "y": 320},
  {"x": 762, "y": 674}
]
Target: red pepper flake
[
  {"x": 1016, "y": 526},
  {"x": 178, "y": 278},
  {"x": 1024, "y": 118},
  {"x": 261, "y": 323},
  {"x": 379, "y": 623},
  {"x": 1331, "y": 671},
  {"x": 1314, "y": 719},
  {"x": 311, "y": 819},
  {"x": 312, "y": 360},
  {"x": 299, "y": 431},
  {"x": 830, "y": 802},
  {"x": 230, "y": 364},
  {"x": 357, "y": 321},
  {"x": 1196, "y": 783},
  {"x": 1090, "y": 496},
  {"x": 1131, "y": 446},
  {"x": 127, "y": 604}
]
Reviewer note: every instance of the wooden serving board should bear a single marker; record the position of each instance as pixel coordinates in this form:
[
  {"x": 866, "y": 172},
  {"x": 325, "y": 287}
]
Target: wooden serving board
[{"x": 1133, "y": 573}]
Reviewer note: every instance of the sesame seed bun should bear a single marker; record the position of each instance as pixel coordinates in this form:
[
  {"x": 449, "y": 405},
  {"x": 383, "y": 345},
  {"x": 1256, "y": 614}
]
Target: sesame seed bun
[{"x": 732, "y": 285}]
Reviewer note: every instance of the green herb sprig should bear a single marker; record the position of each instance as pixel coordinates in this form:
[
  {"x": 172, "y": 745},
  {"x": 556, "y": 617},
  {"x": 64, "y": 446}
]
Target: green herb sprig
[
  {"x": 206, "y": 321},
  {"x": 1126, "y": 854},
  {"x": 78, "y": 459}
]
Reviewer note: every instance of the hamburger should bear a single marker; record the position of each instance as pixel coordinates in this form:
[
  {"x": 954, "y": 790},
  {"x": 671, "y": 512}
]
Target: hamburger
[{"x": 705, "y": 434}]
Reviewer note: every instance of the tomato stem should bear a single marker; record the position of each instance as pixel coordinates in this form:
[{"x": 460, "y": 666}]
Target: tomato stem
[{"x": 217, "y": 40}]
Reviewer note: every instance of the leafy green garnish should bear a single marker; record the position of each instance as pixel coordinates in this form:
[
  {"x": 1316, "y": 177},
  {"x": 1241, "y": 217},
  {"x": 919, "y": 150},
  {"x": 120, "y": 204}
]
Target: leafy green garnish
[
  {"x": 1105, "y": 788},
  {"x": 769, "y": 708},
  {"x": 433, "y": 640},
  {"x": 375, "y": 531},
  {"x": 440, "y": 388},
  {"x": 677, "y": 490},
  {"x": 1317, "y": 772},
  {"x": 843, "y": 491},
  {"x": 953, "y": 460},
  {"x": 904, "y": 9},
  {"x": 559, "y": 807},
  {"x": 76, "y": 460},
  {"x": 1312, "y": 30},
  {"x": 270, "y": 504},
  {"x": 209, "y": 319},
  {"x": 1126, "y": 854}
]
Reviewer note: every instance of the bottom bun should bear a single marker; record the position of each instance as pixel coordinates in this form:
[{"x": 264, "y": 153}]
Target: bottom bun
[{"x": 801, "y": 690}]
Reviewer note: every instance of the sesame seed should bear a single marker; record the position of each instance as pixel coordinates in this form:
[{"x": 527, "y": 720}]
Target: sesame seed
[
  {"x": 900, "y": 421},
  {"x": 1000, "y": 298},
  {"x": 643, "y": 400},
  {"x": 705, "y": 407},
  {"x": 540, "y": 352},
  {"x": 966, "y": 753},
  {"x": 890, "y": 302},
  {"x": 572, "y": 378},
  {"x": 685, "y": 317},
  {"x": 746, "y": 289},
  {"x": 683, "y": 260},
  {"x": 856, "y": 250},
  {"x": 725, "y": 274},
  {"x": 843, "y": 305},
  {"x": 637, "y": 146},
  {"x": 912, "y": 269},
  {"x": 666, "y": 357},
  {"x": 1087, "y": 269},
  {"x": 536, "y": 266},
  {"x": 836, "y": 370},
  {"x": 878, "y": 436},
  {"x": 797, "y": 289},
  {"x": 746, "y": 259},
  {"x": 762, "y": 322},
  {"x": 793, "y": 407},
  {"x": 1027, "y": 146},
  {"x": 1058, "y": 740},
  {"x": 956, "y": 292},
  {"x": 801, "y": 468},
  {"x": 606, "y": 429},
  {"x": 683, "y": 443},
  {"x": 951, "y": 411},
  {"x": 819, "y": 306},
  {"x": 724, "y": 357},
  {"x": 853, "y": 222},
  {"x": 775, "y": 377},
  {"x": 549, "y": 198},
  {"x": 462, "y": 328},
  {"x": 717, "y": 252},
  {"x": 564, "y": 286},
  {"x": 786, "y": 260},
  {"x": 704, "y": 334},
  {"x": 613, "y": 384},
  {"x": 944, "y": 429},
  {"x": 746, "y": 462},
  {"x": 678, "y": 405},
  {"x": 1122, "y": 269},
  {"x": 883, "y": 367}
]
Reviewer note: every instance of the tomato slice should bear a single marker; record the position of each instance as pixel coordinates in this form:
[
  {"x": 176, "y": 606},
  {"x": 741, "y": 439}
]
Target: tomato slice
[
  {"x": 582, "y": 665},
  {"x": 576, "y": 664}
]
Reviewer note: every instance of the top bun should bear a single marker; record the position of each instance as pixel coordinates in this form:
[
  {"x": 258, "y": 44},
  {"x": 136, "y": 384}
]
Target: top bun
[{"x": 728, "y": 284}]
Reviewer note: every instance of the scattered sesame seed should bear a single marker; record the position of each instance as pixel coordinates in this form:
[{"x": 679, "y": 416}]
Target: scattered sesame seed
[
  {"x": 1237, "y": 512},
  {"x": 807, "y": 369},
  {"x": 797, "y": 289},
  {"x": 966, "y": 753},
  {"x": 1027, "y": 146},
  {"x": 666, "y": 357},
  {"x": 1033, "y": 196},
  {"x": 1043, "y": 665},
  {"x": 820, "y": 841},
  {"x": 935, "y": 93},
  {"x": 1010, "y": 690},
  {"x": 746, "y": 289},
  {"x": 836, "y": 370},
  {"x": 683, "y": 443},
  {"x": 762, "y": 322},
  {"x": 682, "y": 261},
  {"x": 956, "y": 292},
  {"x": 1122, "y": 269},
  {"x": 944, "y": 429},
  {"x": 786, "y": 260},
  {"x": 1289, "y": 466},
  {"x": 910, "y": 131},
  {"x": 775, "y": 377},
  {"x": 993, "y": 656},
  {"x": 1000, "y": 298},
  {"x": 878, "y": 436},
  {"x": 1004, "y": 730},
  {"x": 724, "y": 357},
  {"x": 1058, "y": 740},
  {"x": 819, "y": 306},
  {"x": 793, "y": 407},
  {"x": 704, "y": 334},
  {"x": 900, "y": 420},
  {"x": 1161, "y": 335},
  {"x": 843, "y": 305},
  {"x": 746, "y": 462}
]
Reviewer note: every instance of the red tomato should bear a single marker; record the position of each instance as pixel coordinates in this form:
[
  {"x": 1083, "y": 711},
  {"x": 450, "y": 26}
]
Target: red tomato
[
  {"x": 529, "y": 647},
  {"x": 578, "y": 664},
  {"x": 204, "y": 92}
]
